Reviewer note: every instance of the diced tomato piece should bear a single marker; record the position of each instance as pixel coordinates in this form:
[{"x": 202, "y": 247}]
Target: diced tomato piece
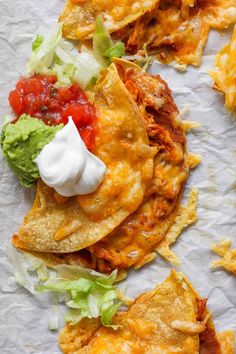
[
  {"x": 88, "y": 137},
  {"x": 82, "y": 115},
  {"x": 34, "y": 86},
  {"x": 38, "y": 97},
  {"x": 47, "y": 80},
  {"x": 54, "y": 105},
  {"x": 16, "y": 102},
  {"x": 65, "y": 94},
  {"x": 77, "y": 91},
  {"x": 21, "y": 87}
]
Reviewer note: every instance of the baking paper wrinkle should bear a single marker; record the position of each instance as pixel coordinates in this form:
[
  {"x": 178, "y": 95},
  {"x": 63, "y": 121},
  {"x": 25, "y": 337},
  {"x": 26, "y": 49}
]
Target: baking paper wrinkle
[{"x": 24, "y": 319}]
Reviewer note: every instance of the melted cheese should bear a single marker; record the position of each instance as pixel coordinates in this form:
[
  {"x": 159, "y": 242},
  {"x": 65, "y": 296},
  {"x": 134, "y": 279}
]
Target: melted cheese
[
  {"x": 122, "y": 144},
  {"x": 227, "y": 340},
  {"x": 178, "y": 30},
  {"x": 183, "y": 39},
  {"x": 133, "y": 241},
  {"x": 79, "y": 17},
  {"x": 185, "y": 7}
]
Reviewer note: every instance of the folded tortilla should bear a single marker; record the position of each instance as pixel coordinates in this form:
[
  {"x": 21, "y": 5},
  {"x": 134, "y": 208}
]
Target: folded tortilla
[
  {"x": 178, "y": 30},
  {"x": 69, "y": 224},
  {"x": 79, "y": 17},
  {"x": 170, "y": 29},
  {"x": 134, "y": 240},
  {"x": 128, "y": 244},
  {"x": 172, "y": 318}
]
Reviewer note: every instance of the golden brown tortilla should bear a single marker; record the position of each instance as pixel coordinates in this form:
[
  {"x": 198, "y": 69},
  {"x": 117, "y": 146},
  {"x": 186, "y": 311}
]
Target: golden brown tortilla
[
  {"x": 172, "y": 318},
  {"x": 170, "y": 29},
  {"x": 132, "y": 242},
  {"x": 79, "y": 17},
  {"x": 178, "y": 29},
  {"x": 141, "y": 231},
  {"x": 122, "y": 144}
]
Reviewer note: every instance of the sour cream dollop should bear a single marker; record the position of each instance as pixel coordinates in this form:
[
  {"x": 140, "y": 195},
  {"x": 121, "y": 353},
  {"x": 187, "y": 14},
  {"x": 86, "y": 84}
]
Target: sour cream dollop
[{"x": 66, "y": 165}]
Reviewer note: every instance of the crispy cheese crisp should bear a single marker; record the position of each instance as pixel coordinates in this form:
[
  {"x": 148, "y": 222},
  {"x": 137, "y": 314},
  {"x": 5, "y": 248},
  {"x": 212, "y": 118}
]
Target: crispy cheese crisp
[
  {"x": 224, "y": 73},
  {"x": 122, "y": 144},
  {"x": 228, "y": 260},
  {"x": 172, "y": 318},
  {"x": 186, "y": 216}
]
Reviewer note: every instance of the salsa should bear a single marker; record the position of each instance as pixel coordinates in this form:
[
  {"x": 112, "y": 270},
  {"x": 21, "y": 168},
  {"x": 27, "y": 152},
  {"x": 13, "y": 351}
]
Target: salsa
[{"x": 40, "y": 98}]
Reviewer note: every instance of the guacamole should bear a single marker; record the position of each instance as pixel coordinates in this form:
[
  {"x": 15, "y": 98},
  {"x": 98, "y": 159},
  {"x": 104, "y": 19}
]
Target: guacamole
[{"x": 21, "y": 143}]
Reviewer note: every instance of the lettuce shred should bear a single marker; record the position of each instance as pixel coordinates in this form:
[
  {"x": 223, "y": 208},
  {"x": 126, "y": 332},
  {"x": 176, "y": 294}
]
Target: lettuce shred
[
  {"x": 28, "y": 269},
  {"x": 54, "y": 55},
  {"x": 89, "y": 294},
  {"x": 104, "y": 48}
]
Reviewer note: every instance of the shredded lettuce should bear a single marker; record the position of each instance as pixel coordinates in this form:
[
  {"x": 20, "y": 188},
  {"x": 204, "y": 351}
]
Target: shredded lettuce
[
  {"x": 39, "y": 266},
  {"x": 91, "y": 294},
  {"x": 116, "y": 50},
  {"x": 37, "y": 42},
  {"x": 92, "y": 83},
  {"x": 54, "y": 55},
  {"x": 54, "y": 320},
  {"x": 42, "y": 58},
  {"x": 24, "y": 266},
  {"x": 85, "y": 292},
  {"x": 104, "y": 48}
]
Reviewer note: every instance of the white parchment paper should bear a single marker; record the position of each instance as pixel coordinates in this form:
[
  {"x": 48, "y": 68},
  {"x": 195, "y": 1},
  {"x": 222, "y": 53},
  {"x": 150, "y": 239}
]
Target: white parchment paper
[{"x": 23, "y": 318}]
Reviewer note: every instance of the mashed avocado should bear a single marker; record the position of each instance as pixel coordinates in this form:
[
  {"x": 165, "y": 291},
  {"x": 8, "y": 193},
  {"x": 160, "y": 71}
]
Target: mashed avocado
[{"x": 22, "y": 142}]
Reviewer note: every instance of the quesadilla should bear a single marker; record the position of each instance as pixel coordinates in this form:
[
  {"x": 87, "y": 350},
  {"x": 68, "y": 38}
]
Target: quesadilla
[
  {"x": 170, "y": 29},
  {"x": 172, "y": 318},
  {"x": 68, "y": 224},
  {"x": 141, "y": 231},
  {"x": 178, "y": 30},
  {"x": 132, "y": 242}
]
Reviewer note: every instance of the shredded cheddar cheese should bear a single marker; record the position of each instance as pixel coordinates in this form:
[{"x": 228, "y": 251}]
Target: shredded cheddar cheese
[
  {"x": 193, "y": 160},
  {"x": 190, "y": 327},
  {"x": 224, "y": 74}
]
